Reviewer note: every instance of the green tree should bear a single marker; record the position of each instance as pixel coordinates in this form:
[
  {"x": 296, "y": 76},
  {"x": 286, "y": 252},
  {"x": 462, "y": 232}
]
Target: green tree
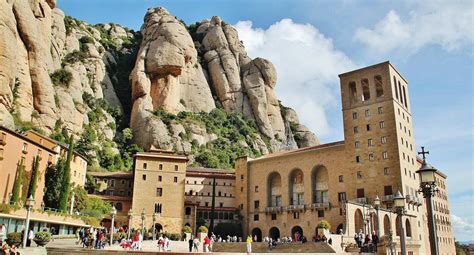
[
  {"x": 34, "y": 177},
  {"x": 18, "y": 181},
  {"x": 52, "y": 186},
  {"x": 66, "y": 178},
  {"x": 90, "y": 185}
]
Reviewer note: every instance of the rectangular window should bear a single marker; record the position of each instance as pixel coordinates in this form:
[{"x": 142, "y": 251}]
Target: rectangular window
[
  {"x": 144, "y": 165},
  {"x": 358, "y": 159},
  {"x": 256, "y": 188},
  {"x": 341, "y": 178},
  {"x": 371, "y": 157},
  {"x": 160, "y": 166},
  {"x": 360, "y": 193},
  {"x": 385, "y": 155},
  {"x": 159, "y": 192},
  {"x": 241, "y": 176},
  {"x": 241, "y": 189},
  {"x": 380, "y": 110},
  {"x": 356, "y": 130},
  {"x": 206, "y": 204},
  {"x": 387, "y": 190},
  {"x": 369, "y": 127},
  {"x": 175, "y": 179},
  {"x": 296, "y": 215},
  {"x": 385, "y": 171},
  {"x": 144, "y": 177},
  {"x": 341, "y": 196},
  {"x": 158, "y": 208},
  {"x": 359, "y": 175},
  {"x": 221, "y": 204},
  {"x": 255, "y": 217},
  {"x": 176, "y": 167},
  {"x": 367, "y": 113},
  {"x": 274, "y": 216},
  {"x": 320, "y": 213},
  {"x": 357, "y": 144},
  {"x": 354, "y": 115},
  {"x": 112, "y": 183},
  {"x": 160, "y": 178},
  {"x": 25, "y": 147},
  {"x": 383, "y": 140},
  {"x": 382, "y": 125},
  {"x": 370, "y": 142},
  {"x": 256, "y": 204}
]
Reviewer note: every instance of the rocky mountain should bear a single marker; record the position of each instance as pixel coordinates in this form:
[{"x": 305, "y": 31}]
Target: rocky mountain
[{"x": 192, "y": 88}]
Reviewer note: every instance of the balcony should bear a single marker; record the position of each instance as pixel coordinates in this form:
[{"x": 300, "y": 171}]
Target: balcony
[
  {"x": 295, "y": 208},
  {"x": 322, "y": 205},
  {"x": 361, "y": 200},
  {"x": 274, "y": 209},
  {"x": 414, "y": 200},
  {"x": 387, "y": 198}
]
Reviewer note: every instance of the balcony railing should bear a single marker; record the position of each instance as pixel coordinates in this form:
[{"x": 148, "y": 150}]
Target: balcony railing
[
  {"x": 414, "y": 200},
  {"x": 274, "y": 209},
  {"x": 387, "y": 198},
  {"x": 296, "y": 208},
  {"x": 361, "y": 200},
  {"x": 322, "y": 205}
]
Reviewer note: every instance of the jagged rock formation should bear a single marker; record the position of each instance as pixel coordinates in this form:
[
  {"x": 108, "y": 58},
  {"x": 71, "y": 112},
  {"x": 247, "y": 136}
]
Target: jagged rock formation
[{"x": 58, "y": 73}]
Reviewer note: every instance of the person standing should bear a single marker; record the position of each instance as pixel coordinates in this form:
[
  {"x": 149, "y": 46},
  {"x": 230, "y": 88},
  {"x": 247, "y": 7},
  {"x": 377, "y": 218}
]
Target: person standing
[
  {"x": 207, "y": 242},
  {"x": 190, "y": 244},
  {"x": 140, "y": 241},
  {"x": 196, "y": 244},
  {"x": 375, "y": 240},
  {"x": 136, "y": 239},
  {"x": 249, "y": 244},
  {"x": 31, "y": 235}
]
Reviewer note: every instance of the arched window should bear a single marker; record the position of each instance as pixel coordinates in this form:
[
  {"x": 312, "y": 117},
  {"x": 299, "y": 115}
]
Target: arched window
[
  {"x": 118, "y": 206},
  {"x": 188, "y": 210},
  {"x": 359, "y": 221},
  {"x": 319, "y": 183},
  {"x": 405, "y": 97},
  {"x": 296, "y": 187},
  {"x": 365, "y": 90},
  {"x": 378, "y": 85},
  {"x": 353, "y": 91},
  {"x": 386, "y": 225},
  {"x": 397, "y": 226},
  {"x": 395, "y": 86},
  {"x": 408, "y": 228},
  {"x": 274, "y": 190}
]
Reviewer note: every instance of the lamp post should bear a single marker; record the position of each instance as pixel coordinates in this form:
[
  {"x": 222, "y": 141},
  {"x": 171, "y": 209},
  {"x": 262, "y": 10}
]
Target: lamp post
[
  {"x": 30, "y": 202},
  {"x": 428, "y": 188},
  {"x": 143, "y": 223},
  {"x": 113, "y": 212},
  {"x": 130, "y": 214},
  {"x": 153, "y": 226},
  {"x": 399, "y": 205},
  {"x": 377, "y": 207}
]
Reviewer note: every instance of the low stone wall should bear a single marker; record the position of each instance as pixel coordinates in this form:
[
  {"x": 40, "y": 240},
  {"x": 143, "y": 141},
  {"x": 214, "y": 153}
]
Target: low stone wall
[{"x": 80, "y": 251}]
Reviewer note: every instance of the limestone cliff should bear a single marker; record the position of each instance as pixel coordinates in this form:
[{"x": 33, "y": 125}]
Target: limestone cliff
[{"x": 59, "y": 74}]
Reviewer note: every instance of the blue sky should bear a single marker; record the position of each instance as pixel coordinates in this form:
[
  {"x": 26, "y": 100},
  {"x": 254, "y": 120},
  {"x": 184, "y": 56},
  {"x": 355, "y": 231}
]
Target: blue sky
[{"x": 310, "y": 42}]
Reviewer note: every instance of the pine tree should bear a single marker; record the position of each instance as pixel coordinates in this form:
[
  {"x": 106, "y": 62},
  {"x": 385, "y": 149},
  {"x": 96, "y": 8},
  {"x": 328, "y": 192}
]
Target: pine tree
[
  {"x": 53, "y": 184},
  {"x": 18, "y": 181},
  {"x": 66, "y": 178},
  {"x": 34, "y": 177}
]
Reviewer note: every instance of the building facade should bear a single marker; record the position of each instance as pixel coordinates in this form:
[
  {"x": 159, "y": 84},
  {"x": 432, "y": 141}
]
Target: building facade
[{"x": 283, "y": 193}]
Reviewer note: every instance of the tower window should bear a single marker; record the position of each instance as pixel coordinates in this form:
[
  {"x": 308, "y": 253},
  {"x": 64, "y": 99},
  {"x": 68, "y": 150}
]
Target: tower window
[
  {"x": 385, "y": 155},
  {"x": 354, "y": 115},
  {"x": 365, "y": 90},
  {"x": 382, "y": 124},
  {"x": 160, "y": 178},
  {"x": 367, "y": 113},
  {"x": 370, "y": 142},
  {"x": 395, "y": 87},
  {"x": 380, "y": 110},
  {"x": 175, "y": 179},
  {"x": 378, "y": 86},
  {"x": 144, "y": 177},
  {"x": 353, "y": 91},
  {"x": 383, "y": 140},
  {"x": 357, "y": 144},
  {"x": 358, "y": 159},
  {"x": 385, "y": 171},
  {"x": 405, "y": 97},
  {"x": 176, "y": 167},
  {"x": 158, "y": 208},
  {"x": 159, "y": 192},
  {"x": 256, "y": 188},
  {"x": 341, "y": 178},
  {"x": 144, "y": 165},
  {"x": 371, "y": 157},
  {"x": 359, "y": 175},
  {"x": 400, "y": 91},
  {"x": 160, "y": 166},
  {"x": 369, "y": 127},
  {"x": 255, "y": 217},
  {"x": 356, "y": 130}
]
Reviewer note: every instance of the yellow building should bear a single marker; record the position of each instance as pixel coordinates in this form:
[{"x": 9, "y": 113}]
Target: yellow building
[{"x": 288, "y": 192}]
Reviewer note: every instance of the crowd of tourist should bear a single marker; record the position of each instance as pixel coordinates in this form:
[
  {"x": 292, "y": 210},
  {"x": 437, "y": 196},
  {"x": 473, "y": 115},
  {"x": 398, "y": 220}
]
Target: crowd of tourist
[{"x": 367, "y": 242}]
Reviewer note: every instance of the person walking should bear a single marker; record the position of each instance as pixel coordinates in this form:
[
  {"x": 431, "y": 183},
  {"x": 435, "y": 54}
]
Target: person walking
[
  {"x": 31, "y": 235},
  {"x": 136, "y": 239},
  {"x": 196, "y": 244},
  {"x": 190, "y": 243},
  {"x": 375, "y": 240},
  {"x": 207, "y": 242},
  {"x": 249, "y": 244}
]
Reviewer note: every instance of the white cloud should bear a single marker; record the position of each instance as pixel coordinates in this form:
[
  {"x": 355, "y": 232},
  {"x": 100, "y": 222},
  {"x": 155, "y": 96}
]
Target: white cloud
[
  {"x": 444, "y": 23},
  {"x": 307, "y": 65},
  {"x": 463, "y": 229}
]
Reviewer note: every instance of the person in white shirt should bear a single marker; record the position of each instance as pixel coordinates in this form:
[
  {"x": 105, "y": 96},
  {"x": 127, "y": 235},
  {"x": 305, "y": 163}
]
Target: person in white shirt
[
  {"x": 140, "y": 241},
  {"x": 3, "y": 233},
  {"x": 31, "y": 235}
]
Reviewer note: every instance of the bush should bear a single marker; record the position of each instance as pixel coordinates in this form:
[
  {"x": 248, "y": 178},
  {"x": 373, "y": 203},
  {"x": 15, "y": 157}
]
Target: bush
[
  {"x": 42, "y": 236},
  {"x": 61, "y": 77},
  {"x": 203, "y": 229},
  {"x": 14, "y": 238},
  {"x": 187, "y": 229},
  {"x": 86, "y": 39},
  {"x": 324, "y": 224},
  {"x": 75, "y": 56}
]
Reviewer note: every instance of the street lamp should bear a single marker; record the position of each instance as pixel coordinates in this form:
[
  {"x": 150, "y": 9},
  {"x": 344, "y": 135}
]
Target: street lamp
[
  {"x": 377, "y": 207},
  {"x": 30, "y": 202},
  {"x": 154, "y": 229},
  {"x": 399, "y": 205},
  {"x": 143, "y": 223},
  {"x": 428, "y": 188},
  {"x": 130, "y": 214},
  {"x": 113, "y": 212}
]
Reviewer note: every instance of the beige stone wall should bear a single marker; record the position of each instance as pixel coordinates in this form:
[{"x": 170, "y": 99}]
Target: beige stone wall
[
  {"x": 147, "y": 174},
  {"x": 443, "y": 220}
]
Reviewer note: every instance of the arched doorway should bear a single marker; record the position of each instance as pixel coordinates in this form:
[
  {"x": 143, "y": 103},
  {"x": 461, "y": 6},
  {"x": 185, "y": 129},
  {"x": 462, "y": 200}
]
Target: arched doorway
[
  {"x": 274, "y": 190},
  {"x": 274, "y": 233},
  {"x": 397, "y": 226},
  {"x": 340, "y": 229},
  {"x": 408, "y": 228},
  {"x": 358, "y": 221},
  {"x": 386, "y": 225},
  {"x": 296, "y": 233},
  {"x": 256, "y": 232},
  {"x": 319, "y": 184},
  {"x": 158, "y": 228},
  {"x": 296, "y": 187}
]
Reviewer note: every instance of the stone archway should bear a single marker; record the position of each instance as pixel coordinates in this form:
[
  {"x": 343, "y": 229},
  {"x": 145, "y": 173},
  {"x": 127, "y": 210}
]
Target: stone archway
[
  {"x": 358, "y": 221},
  {"x": 274, "y": 233},
  {"x": 386, "y": 225},
  {"x": 296, "y": 187},
  {"x": 296, "y": 233},
  {"x": 158, "y": 228},
  {"x": 274, "y": 190},
  {"x": 257, "y": 234}
]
